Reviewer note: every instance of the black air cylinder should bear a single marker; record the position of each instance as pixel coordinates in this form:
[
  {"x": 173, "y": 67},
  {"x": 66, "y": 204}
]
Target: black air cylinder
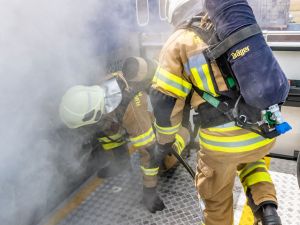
[{"x": 261, "y": 80}]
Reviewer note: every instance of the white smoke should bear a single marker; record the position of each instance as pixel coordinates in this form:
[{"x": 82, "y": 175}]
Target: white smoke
[{"x": 45, "y": 47}]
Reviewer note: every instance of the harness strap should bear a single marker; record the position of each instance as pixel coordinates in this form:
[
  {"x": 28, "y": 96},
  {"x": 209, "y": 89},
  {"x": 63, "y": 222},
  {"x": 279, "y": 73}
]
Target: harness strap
[
  {"x": 230, "y": 112},
  {"x": 222, "y": 106},
  {"x": 232, "y": 40}
]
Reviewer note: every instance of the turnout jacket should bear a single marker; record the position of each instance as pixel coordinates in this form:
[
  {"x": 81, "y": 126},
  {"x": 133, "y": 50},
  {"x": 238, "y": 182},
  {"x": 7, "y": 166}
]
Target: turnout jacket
[
  {"x": 135, "y": 127},
  {"x": 182, "y": 65}
]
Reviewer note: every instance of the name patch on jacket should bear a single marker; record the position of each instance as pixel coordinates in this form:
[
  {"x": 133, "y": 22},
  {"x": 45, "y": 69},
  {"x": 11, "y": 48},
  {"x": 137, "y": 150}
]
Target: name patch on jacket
[
  {"x": 137, "y": 99},
  {"x": 240, "y": 52}
]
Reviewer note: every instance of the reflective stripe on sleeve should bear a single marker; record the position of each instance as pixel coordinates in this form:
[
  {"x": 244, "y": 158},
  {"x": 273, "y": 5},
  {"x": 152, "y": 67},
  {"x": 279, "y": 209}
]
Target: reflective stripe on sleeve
[
  {"x": 239, "y": 143},
  {"x": 109, "y": 146},
  {"x": 167, "y": 130},
  {"x": 150, "y": 171},
  {"x": 110, "y": 138},
  {"x": 172, "y": 83},
  {"x": 143, "y": 139},
  {"x": 112, "y": 141}
]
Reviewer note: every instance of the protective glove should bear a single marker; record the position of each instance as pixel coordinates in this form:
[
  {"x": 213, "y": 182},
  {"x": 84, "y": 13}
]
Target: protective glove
[{"x": 151, "y": 200}]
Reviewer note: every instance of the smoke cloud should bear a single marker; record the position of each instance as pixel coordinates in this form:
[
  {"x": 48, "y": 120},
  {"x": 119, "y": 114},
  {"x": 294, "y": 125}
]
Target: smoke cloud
[{"x": 45, "y": 48}]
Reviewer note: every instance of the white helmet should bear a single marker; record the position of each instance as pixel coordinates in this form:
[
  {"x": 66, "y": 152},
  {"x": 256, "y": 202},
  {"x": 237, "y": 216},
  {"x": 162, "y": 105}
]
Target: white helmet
[
  {"x": 82, "y": 105},
  {"x": 179, "y": 11}
]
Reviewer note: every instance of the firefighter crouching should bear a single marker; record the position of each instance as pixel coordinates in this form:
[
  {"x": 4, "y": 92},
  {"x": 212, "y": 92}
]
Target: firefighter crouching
[
  {"x": 225, "y": 147},
  {"x": 119, "y": 107}
]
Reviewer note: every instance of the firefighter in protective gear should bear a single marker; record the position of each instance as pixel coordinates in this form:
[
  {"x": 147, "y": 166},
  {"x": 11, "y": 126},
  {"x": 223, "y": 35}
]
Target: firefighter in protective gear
[
  {"x": 119, "y": 107},
  {"x": 225, "y": 148}
]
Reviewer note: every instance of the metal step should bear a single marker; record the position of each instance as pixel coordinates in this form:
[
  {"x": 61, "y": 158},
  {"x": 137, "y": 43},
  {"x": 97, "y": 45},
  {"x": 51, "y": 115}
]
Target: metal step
[{"x": 117, "y": 200}]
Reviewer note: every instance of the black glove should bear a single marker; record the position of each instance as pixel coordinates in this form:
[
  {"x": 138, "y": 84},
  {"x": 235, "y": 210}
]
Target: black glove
[{"x": 152, "y": 201}]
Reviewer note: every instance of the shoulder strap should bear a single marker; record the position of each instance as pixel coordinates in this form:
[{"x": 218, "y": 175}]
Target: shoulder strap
[
  {"x": 232, "y": 40},
  {"x": 224, "y": 107}
]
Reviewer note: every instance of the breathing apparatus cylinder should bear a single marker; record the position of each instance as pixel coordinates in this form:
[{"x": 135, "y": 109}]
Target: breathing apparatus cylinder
[
  {"x": 261, "y": 80},
  {"x": 139, "y": 72}
]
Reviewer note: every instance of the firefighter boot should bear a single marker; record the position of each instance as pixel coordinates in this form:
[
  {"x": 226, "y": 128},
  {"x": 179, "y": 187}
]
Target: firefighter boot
[
  {"x": 151, "y": 200},
  {"x": 267, "y": 215}
]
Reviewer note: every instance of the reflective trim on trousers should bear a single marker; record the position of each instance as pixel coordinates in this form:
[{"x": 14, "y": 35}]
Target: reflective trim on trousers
[
  {"x": 233, "y": 144},
  {"x": 150, "y": 171},
  {"x": 167, "y": 130},
  {"x": 251, "y": 167},
  {"x": 232, "y": 139},
  {"x": 257, "y": 178},
  {"x": 143, "y": 139},
  {"x": 225, "y": 127}
]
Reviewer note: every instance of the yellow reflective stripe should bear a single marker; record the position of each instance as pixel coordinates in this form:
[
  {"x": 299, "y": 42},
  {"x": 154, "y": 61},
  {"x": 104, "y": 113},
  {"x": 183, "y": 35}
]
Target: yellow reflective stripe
[
  {"x": 243, "y": 137},
  {"x": 177, "y": 147},
  {"x": 104, "y": 139},
  {"x": 109, "y": 146},
  {"x": 150, "y": 171},
  {"x": 247, "y": 216},
  {"x": 171, "y": 89},
  {"x": 143, "y": 143},
  {"x": 249, "y": 165},
  {"x": 225, "y": 127},
  {"x": 138, "y": 138},
  {"x": 143, "y": 139},
  {"x": 246, "y": 172},
  {"x": 113, "y": 137},
  {"x": 256, "y": 178},
  {"x": 172, "y": 83},
  {"x": 167, "y": 130},
  {"x": 209, "y": 80},
  {"x": 179, "y": 143},
  {"x": 198, "y": 81},
  {"x": 236, "y": 149},
  {"x": 175, "y": 78}
]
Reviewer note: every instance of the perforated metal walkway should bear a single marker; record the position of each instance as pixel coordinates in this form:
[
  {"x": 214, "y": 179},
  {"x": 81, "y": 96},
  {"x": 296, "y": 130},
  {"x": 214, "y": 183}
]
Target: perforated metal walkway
[{"x": 117, "y": 200}]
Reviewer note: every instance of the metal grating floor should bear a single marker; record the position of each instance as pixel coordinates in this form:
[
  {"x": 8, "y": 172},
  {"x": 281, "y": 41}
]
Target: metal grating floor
[{"x": 117, "y": 201}]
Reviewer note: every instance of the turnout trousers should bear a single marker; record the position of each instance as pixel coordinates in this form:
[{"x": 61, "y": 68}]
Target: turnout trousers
[{"x": 225, "y": 152}]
